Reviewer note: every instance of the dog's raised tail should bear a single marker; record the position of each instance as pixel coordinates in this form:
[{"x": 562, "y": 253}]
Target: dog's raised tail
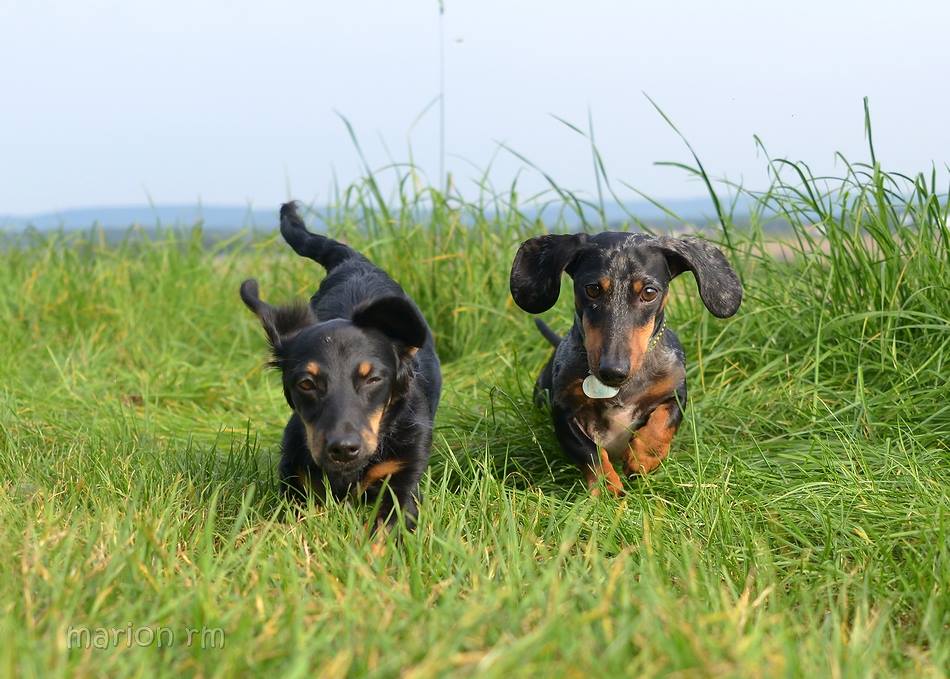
[
  {"x": 321, "y": 249},
  {"x": 549, "y": 334}
]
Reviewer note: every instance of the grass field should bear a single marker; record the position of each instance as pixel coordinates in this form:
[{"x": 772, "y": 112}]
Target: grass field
[{"x": 800, "y": 526}]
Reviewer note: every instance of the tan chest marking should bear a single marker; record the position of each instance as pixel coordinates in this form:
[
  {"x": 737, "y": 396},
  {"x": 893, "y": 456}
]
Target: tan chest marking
[
  {"x": 613, "y": 430},
  {"x": 379, "y": 471}
]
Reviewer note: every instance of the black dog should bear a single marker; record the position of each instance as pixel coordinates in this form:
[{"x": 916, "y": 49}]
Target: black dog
[
  {"x": 616, "y": 383},
  {"x": 361, "y": 375}
]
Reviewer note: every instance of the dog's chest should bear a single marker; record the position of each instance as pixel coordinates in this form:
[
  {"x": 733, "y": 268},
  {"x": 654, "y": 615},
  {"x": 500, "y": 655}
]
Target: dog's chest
[{"x": 610, "y": 426}]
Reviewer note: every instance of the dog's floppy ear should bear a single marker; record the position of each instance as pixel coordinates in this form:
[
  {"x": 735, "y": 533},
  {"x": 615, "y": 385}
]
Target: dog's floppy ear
[
  {"x": 536, "y": 272},
  {"x": 396, "y": 317},
  {"x": 280, "y": 323},
  {"x": 719, "y": 287}
]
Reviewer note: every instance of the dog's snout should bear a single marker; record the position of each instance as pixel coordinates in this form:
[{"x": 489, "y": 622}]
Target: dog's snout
[
  {"x": 614, "y": 372},
  {"x": 344, "y": 449}
]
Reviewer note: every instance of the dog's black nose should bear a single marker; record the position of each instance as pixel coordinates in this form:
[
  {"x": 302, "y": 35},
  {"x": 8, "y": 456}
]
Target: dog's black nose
[
  {"x": 613, "y": 373},
  {"x": 344, "y": 450}
]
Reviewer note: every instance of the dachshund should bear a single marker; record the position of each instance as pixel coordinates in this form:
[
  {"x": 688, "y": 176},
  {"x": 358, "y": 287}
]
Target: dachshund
[
  {"x": 361, "y": 376},
  {"x": 616, "y": 383}
]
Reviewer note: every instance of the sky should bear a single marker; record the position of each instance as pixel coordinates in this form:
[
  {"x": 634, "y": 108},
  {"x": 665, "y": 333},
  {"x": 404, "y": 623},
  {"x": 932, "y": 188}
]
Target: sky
[{"x": 134, "y": 101}]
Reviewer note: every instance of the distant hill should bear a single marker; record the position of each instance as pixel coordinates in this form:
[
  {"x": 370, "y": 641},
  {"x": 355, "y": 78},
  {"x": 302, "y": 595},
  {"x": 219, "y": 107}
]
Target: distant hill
[
  {"x": 216, "y": 217},
  {"x": 233, "y": 218},
  {"x": 697, "y": 211}
]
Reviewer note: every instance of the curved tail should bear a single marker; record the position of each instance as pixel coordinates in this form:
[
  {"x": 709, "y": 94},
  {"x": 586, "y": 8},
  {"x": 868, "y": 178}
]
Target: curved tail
[
  {"x": 549, "y": 334},
  {"x": 324, "y": 251}
]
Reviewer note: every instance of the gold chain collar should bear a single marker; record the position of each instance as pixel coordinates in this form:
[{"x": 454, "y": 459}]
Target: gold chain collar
[{"x": 657, "y": 337}]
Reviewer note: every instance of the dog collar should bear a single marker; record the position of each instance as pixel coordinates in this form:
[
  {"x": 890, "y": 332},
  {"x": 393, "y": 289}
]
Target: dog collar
[
  {"x": 594, "y": 388},
  {"x": 657, "y": 336}
]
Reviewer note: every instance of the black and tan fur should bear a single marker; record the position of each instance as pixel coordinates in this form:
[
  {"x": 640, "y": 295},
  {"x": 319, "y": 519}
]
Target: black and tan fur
[
  {"x": 621, "y": 288},
  {"x": 361, "y": 377}
]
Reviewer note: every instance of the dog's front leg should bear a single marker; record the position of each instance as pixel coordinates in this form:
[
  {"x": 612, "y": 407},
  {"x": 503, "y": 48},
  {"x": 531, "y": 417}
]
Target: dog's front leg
[
  {"x": 300, "y": 481},
  {"x": 651, "y": 443},
  {"x": 402, "y": 492},
  {"x": 592, "y": 460}
]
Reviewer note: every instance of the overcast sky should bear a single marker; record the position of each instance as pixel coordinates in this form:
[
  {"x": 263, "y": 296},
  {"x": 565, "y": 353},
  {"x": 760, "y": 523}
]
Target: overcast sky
[{"x": 119, "y": 102}]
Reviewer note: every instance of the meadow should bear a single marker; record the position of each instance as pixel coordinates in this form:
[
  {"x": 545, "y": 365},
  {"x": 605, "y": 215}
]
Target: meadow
[{"x": 800, "y": 526}]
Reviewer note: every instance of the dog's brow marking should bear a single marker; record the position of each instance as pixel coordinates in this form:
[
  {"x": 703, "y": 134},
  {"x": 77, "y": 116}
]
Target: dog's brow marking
[
  {"x": 364, "y": 368},
  {"x": 313, "y": 368},
  {"x": 604, "y": 283},
  {"x": 638, "y": 287}
]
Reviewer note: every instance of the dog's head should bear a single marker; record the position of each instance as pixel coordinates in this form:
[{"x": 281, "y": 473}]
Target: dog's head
[
  {"x": 340, "y": 376},
  {"x": 621, "y": 286}
]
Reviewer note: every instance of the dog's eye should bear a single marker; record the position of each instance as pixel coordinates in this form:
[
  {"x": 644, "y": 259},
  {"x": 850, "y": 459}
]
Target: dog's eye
[
  {"x": 374, "y": 379},
  {"x": 306, "y": 385},
  {"x": 593, "y": 290},
  {"x": 649, "y": 294}
]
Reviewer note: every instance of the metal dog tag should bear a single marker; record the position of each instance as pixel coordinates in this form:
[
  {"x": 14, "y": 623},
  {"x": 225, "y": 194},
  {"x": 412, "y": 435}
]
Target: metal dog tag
[{"x": 594, "y": 388}]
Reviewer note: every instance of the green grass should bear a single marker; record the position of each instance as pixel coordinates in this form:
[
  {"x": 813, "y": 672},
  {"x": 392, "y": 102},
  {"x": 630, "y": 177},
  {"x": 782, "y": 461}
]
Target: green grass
[{"x": 800, "y": 526}]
